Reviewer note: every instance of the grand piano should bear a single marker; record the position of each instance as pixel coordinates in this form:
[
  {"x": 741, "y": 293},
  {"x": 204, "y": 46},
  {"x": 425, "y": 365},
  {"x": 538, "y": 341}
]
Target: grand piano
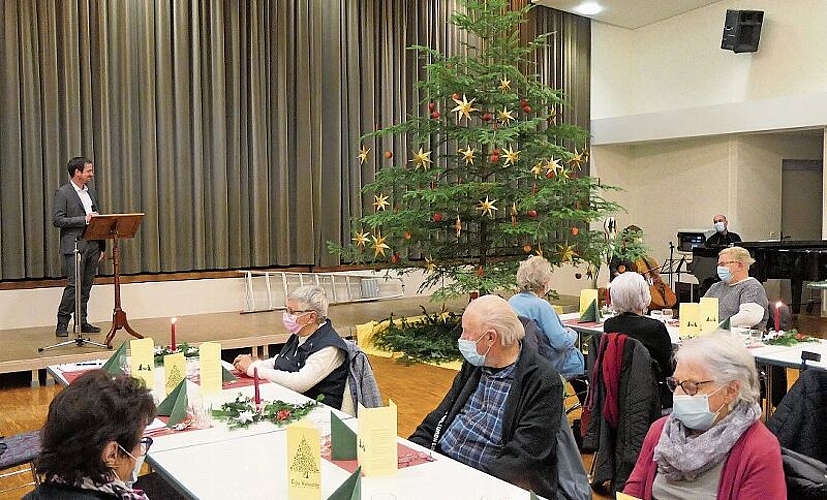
[{"x": 797, "y": 261}]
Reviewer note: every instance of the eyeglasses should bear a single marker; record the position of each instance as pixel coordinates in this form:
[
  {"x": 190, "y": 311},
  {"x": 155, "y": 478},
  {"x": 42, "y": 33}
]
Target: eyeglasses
[
  {"x": 293, "y": 311},
  {"x": 689, "y": 387},
  {"x": 728, "y": 262},
  {"x": 146, "y": 443}
]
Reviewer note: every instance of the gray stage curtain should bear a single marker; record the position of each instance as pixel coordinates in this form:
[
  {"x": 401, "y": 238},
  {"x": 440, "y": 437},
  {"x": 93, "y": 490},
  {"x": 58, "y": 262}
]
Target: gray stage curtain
[{"x": 232, "y": 124}]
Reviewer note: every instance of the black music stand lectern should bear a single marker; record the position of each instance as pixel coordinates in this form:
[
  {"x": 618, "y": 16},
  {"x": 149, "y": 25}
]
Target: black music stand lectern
[{"x": 115, "y": 227}]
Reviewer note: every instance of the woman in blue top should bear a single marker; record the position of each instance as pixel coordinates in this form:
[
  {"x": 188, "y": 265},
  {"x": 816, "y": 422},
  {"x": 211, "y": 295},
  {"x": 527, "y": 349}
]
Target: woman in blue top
[{"x": 534, "y": 281}]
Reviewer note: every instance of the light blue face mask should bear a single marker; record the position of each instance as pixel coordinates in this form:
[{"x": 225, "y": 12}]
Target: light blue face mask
[
  {"x": 468, "y": 349},
  {"x": 693, "y": 411},
  {"x": 724, "y": 274}
]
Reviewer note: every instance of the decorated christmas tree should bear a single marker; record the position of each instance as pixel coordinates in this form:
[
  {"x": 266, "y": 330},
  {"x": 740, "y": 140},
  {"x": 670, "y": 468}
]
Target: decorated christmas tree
[{"x": 492, "y": 176}]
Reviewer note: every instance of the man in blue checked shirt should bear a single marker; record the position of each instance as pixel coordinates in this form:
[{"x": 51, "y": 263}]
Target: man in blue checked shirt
[{"x": 502, "y": 413}]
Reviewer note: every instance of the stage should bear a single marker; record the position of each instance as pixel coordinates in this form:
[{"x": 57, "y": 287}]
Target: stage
[{"x": 257, "y": 331}]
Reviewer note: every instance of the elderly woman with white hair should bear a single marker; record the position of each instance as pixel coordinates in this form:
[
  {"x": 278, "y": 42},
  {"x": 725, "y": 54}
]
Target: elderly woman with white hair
[
  {"x": 312, "y": 361},
  {"x": 713, "y": 444},
  {"x": 741, "y": 298},
  {"x": 630, "y": 296},
  {"x": 534, "y": 282}
]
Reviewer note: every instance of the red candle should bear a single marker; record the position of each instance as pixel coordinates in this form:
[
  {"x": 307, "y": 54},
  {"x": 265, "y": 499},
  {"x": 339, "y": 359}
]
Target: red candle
[
  {"x": 257, "y": 394},
  {"x": 778, "y": 316},
  {"x": 172, "y": 345}
]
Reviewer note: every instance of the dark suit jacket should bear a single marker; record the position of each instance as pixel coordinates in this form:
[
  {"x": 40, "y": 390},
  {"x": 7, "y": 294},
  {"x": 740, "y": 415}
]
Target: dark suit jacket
[{"x": 70, "y": 216}]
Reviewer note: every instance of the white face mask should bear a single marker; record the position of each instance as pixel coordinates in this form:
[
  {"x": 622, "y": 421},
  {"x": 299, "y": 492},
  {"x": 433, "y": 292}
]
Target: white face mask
[
  {"x": 720, "y": 227},
  {"x": 136, "y": 470}
]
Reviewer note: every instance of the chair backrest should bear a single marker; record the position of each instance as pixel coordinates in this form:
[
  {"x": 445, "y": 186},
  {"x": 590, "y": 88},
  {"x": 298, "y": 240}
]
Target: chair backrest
[
  {"x": 361, "y": 382},
  {"x": 798, "y": 420}
]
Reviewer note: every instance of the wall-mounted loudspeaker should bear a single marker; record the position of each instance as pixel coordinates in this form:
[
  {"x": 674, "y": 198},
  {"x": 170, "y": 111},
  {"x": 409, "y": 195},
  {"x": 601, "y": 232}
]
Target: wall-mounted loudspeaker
[{"x": 742, "y": 30}]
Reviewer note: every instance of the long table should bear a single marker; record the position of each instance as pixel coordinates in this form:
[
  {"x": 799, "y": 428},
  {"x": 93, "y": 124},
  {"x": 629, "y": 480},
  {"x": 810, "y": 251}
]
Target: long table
[{"x": 219, "y": 463}]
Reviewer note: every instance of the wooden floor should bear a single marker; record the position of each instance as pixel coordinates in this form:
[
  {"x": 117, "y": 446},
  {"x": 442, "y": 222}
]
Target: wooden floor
[{"x": 416, "y": 389}]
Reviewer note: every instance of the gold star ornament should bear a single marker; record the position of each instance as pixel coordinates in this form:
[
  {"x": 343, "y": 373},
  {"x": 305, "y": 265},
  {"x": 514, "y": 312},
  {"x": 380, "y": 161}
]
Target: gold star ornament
[
  {"x": 505, "y": 115},
  {"x": 566, "y": 253},
  {"x": 552, "y": 167},
  {"x": 487, "y": 207},
  {"x": 537, "y": 170},
  {"x": 505, "y": 85},
  {"x": 430, "y": 266},
  {"x": 360, "y": 238},
  {"x": 458, "y": 226},
  {"x": 464, "y": 108},
  {"x": 380, "y": 202},
  {"x": 511, "y": 156},
  {"x": 422, "y": 159},
  {"x": 577, "y": 159},
  {"x": 363, "y": 155},
  {"x": 379, "y": 245},
  {"x": 468, "y": 155}
]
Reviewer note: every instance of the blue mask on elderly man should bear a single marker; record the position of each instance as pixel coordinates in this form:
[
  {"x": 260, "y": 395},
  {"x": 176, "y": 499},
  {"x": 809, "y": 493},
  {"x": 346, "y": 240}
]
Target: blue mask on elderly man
[
  {"x": 693, "y": 411},
  {"x": 724, "y": 274},
  {"x": 468, "y": 349}
]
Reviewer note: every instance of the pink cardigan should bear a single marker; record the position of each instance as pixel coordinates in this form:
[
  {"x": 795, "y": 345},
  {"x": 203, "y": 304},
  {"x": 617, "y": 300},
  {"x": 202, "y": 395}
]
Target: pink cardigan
[{"x": 752, "y": 470}]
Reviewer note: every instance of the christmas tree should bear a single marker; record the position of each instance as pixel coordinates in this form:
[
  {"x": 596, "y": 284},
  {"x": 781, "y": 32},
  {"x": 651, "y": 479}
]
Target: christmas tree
[{"x": 492, "y": 176}]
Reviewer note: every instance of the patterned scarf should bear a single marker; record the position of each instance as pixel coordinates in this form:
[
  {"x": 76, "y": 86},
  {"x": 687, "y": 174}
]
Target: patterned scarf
[
  {"x": 114, "y": 487},
  {"x": 683, "y": 457}
]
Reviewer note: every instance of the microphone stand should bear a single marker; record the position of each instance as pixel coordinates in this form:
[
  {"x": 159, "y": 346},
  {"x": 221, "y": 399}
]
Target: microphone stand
[{"x": 79, "y": 339}]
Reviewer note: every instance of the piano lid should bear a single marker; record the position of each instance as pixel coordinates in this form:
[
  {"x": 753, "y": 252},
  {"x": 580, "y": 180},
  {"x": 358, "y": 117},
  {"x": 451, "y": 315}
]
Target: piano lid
[{"x": 785, "y": 245}]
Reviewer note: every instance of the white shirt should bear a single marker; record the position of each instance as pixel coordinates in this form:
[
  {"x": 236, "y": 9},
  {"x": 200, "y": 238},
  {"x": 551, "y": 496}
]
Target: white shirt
[
  {"x": 84, "y": 197},
  {"x": 318, "y": 365}
]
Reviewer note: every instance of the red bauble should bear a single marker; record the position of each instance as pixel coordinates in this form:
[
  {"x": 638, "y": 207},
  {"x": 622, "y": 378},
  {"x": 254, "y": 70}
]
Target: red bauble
[
  {"x": 532, "y": 213},
  {"x": 455, "y": 96},
  {"x": 395, "y": 258},
  {"x": 550, "y": 174},
  {"x": 486, "y": 117},
  {"x": 407, "y": 235},
  {"x": 474, "y": 295},
  {"x": 496, "y": 151},
  {"x": 527, "y": 248},
  {"x": 574, "y": 231},
  {"x": 435, "y": 115},
  {"x": 389, "y": 154},
  {"x": 480, "y": 271},
  {"x": 523, "y": 102},
  {"x": 431, "y": 106},
  {"x": 437, "y": 217},
  {"x": 527, "y": 109},
  {"x": 495, "y": 158}
]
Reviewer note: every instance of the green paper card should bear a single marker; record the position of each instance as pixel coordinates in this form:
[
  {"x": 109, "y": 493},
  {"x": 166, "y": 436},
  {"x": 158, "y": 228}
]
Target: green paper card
[
  {"x": 175, "y": 405},
  {"x": 114, "y": 364},
  {"x": 351, "y": 489},
  {"x": 724, "y": 325},
  {"x": 227, "y": 375},
  {"x": 342, "y": 440},
  {"x": 591, "y": 314},
  {"x": 532, "y": 496}
]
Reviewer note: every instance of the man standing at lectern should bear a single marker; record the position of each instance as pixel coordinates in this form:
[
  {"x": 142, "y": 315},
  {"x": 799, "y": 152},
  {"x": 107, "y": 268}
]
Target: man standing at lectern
[
  {"x": 722, "y": 237},
  {"x": 75, "y": 205}
]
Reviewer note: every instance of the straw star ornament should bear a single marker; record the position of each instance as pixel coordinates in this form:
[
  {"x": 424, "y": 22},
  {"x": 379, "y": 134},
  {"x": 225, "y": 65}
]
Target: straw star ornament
[
  {"x": 505, "y": 85},
  {"x": 464, "y": 108},
  {"x": 577, "y": 159},
  {"x": 537, "y": 170},
  {"x": 380, "y": 202},
  {"x": 422, "y": 159},
  {"x": 505, "y": 115},
  {"x": 363, "y": 155},
  {"x": 379, "y": 245},
  {"x": 511, "y": 156},
  {"x": 487, "y": 207},
  {"x": 360, "y": 239},
  {"x": 468, "y": 155}
]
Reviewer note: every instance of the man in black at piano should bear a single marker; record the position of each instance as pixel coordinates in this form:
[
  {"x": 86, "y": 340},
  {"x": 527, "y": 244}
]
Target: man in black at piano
[{"x": 722, "y": 237}]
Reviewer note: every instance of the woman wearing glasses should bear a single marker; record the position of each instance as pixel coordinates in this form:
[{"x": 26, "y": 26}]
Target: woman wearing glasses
[
  {"x": 713, "y": 444},
  {"x": 92, "y": 442},
  {"x": 312, "y": 361},
  {"x": 741, "y": 298}
]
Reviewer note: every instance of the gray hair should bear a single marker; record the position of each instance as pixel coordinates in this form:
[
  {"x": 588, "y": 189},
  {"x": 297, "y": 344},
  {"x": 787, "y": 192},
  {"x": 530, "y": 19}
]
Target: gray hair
[
  {"x": 312, "y": 298},
  {"x": 534, "y": 274},
  {"x": 738, "y": 253},
  {"x": 629, "y": 293},
  {"x": 725, "y": 357},
  {"x": 493, "y": 312}
]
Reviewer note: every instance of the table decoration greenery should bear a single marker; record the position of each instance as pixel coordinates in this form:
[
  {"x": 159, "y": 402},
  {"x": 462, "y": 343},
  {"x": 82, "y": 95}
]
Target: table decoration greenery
[
  {"x": 787, "y": 338},
  {"x": 241, "y": 413},
  {"x": 431, "y": 338}
]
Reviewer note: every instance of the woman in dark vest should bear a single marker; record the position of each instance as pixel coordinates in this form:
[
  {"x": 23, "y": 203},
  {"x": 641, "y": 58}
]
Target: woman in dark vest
[{"x": 313, "y": 361}]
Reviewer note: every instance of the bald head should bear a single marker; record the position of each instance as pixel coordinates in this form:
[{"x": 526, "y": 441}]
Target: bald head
[{"x": 491, "y": 312}]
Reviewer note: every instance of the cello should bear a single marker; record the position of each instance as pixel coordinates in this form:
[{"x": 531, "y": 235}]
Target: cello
[{"x": 662, "y": 295}]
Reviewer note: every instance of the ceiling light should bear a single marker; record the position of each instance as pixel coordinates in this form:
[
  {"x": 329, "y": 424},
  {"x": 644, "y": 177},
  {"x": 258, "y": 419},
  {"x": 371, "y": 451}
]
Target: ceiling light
[{"x": 588, "y": 8}]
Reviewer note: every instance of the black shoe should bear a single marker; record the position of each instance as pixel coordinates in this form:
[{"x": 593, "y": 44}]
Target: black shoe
[
  {"x": 61, "y": 330},
  {"x": 87, "y": 328}
]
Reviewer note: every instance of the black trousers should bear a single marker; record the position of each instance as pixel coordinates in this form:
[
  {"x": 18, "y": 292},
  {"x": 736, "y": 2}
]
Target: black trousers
[{"x": 89, "y": 255}]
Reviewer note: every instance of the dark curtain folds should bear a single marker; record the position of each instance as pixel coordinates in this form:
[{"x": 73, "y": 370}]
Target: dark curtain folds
[{"x": 234, "y": 125}]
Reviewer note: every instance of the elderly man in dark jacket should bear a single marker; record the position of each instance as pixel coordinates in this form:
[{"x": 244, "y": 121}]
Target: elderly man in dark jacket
[{"x": 513, "y": 435}]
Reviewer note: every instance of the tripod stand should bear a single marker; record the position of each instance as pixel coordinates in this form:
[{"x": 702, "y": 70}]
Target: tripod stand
[
  {"x": 79, "y": 339},
  {"x": 674, "y": 271}
]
